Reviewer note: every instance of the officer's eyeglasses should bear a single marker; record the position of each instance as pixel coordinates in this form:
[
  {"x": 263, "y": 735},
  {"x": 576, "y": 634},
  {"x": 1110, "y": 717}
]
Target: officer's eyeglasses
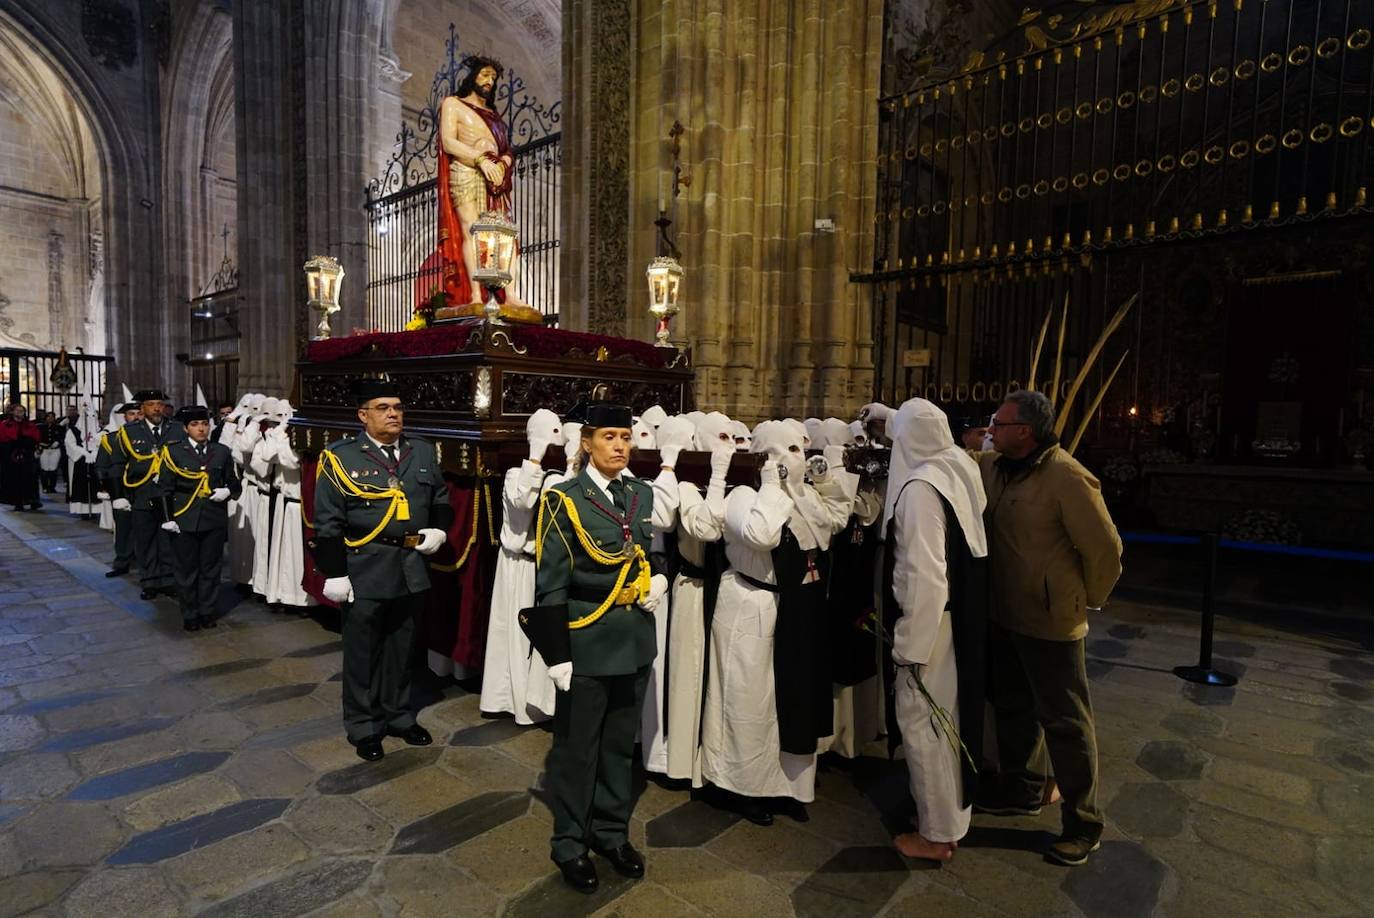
[
  {"x": 388, "y": 409},
  {"x": 997, "y": 423}
]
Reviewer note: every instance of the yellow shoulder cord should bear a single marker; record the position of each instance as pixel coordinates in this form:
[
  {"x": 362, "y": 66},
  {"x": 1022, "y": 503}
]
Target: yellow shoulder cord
[
  {"x": 624, "y": 559},
  {"x": 202, "y": 480},
  {"x": 154, "y": 460},
  {"x": 398, "y": 508},
  {"x": 105, "y": 443}
]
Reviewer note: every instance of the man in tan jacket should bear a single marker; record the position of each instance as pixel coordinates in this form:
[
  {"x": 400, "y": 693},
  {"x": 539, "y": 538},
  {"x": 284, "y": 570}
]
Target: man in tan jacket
[{"x": 1053, "y": 554}]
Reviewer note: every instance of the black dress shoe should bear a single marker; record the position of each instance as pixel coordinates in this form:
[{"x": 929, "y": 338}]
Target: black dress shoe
[
  {"x": 191, "y": 624},
  {"x": 579, "y": 873},
  {"x": 626, "y": 860},
  {"x": 414, "y": 735},
  {"x": 370, "y": 749},
  {"x": 755, "y": 810},
  {"x": 207, "y": 621},
  {"x": 117, "y": 572}
]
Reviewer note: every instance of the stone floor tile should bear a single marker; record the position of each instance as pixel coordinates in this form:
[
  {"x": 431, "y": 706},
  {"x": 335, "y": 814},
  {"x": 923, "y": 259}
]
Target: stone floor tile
[
  {"x": 1263, "y": 781},
  {"x": 647, "y": 898},
  {"x": 326, "y": 726},
  {"x": 216, "y": 871},
  {"x": 551, "y": 896},
  {"x": 57, "y": 702},
  {"x": 19, "y": 731},
  {"x": 714, "y": 886},
  {"x": 1301, "y": 817},
  {"x": 1346, "y": 865},
  {"x": 488, "y": 734},
  {"x": 26, "y": 892},
  {"x": 142, "y": 777},
  {"x": 456, "y": 713},
  {"x": 360, "y": 776},
  {"x": 509, "y": 857},
  {"x": 194, "y": 833},
  {"x": 63, "y": 834},
  {"x": 193, "y": 797},
  {"x": 487, "y": 769},
  {"x": 854, "y": 882},
  {"x": 423, "y": 886},
  {"x": 846, "y": 825},
  {"x": 134, "y": 891},
  {"x": 1309, "y": 767},
  {"x": 200, "y": 674},
  {"x": 296, "y": 893},
  {"x": 1354, "y": 755},
  {"x": 96, "y": 736},
  {"x": 939, "y": 903},
  {"x": 339, "y": 825},
  {"x": 212, "y": 730},
  {"x": 1149, "y": 810},
  {"x": 987, "y": 876},
  {"x": 1254, "y": 840},
  {"x": 1283, "y": 893},
  {"x": 419, "y": 793},
  {"x": 691, "y": 825},
  {"x": 315, "y": 650},
  {"x": 118, "y": 709},
  {"x": 325, "y": 753},
  {"x": 267, "y": 773},
  {"x": 35, "y": 776},
  {"x": 37, "y": 673},
  {"x": 780, "y": 853},
  {"x": 458, "y": 823},
  {"x": 1122, "y": 880},
  {"x": 531, "y": 747},
  {"x": 266, "y": 696},
  {"x": 286, "y": 713},
  {"x": 355, "y": 906},
  {"x": 1170, "y": 760}
]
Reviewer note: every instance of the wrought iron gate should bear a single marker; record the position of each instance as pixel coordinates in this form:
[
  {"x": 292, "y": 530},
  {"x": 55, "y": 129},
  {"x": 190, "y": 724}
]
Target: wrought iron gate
[
  {"x": 27, "y": 377},
  {"x": 402, "y": 203}
]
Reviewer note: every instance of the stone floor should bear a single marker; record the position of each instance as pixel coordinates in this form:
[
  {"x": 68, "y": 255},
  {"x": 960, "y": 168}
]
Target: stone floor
[{"x": 147, "y": 772}]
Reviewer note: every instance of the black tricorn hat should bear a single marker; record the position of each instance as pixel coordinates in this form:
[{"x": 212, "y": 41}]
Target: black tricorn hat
[
  {"x": 603, "y": 414},
  {"x": 131, "y": 406},
  {"x": 193, "y": 413},
  {"x": 547, "y": 629},
  {"x": 150, "y": 395},
  {"x": 370, "y": 387}
]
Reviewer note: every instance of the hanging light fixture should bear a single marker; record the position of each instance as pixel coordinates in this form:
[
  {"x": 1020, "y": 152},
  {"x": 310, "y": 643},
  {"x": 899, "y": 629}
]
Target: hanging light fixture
[
  {"x": 665, "y": 283},
  {"x": 494, "y": 237},
  {"x": 323, "y": 277}
]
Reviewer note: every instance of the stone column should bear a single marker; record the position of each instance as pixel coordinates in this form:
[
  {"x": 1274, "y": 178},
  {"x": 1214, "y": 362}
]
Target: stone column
[
  {"x": 779, "y": 102},
  {"x": 596, "y": 170}
]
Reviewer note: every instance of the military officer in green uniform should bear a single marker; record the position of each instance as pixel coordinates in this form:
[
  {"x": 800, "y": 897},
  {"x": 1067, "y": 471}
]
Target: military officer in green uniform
[
  {"x": 381, "y": 506},
  {"x": 593, "y": 569},
  {"x": 197, "y": 479},
  {"x": 134, "y": 463}
]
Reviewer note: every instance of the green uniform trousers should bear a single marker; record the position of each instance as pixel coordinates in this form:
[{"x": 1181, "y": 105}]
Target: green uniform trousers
[
  {"x": 199, "y": 562},
  {"x": 591, "y": 765},
  {"x": 1039, "y": 690},
  {"x": 123, "y": 539},
  {"x": 153, "y": 549},
  {"x": 378, "y": 640}
]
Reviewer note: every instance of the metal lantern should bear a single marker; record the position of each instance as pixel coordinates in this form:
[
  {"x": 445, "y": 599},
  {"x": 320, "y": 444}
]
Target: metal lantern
[
  {"x": 665, "y": 282},
  {"x": 494, "y": 238},
  {"x": 323, "y": 277}
]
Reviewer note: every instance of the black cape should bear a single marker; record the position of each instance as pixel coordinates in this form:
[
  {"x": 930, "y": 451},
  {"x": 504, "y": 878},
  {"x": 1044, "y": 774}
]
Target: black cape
[{"x": 801, "y": 652}]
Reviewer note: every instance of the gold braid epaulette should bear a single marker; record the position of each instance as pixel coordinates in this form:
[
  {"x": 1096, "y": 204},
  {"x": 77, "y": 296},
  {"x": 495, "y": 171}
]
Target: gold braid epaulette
[
  {"x": 333, "y": 469},
  {"x": 625, "y": 559},
  {"x": 154, "y": 459},
  {"x": 202, "y": 480}
]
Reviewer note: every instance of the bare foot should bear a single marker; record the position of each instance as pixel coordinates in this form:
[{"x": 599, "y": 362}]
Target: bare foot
[
  {"x": 913, "y": 844},
  {"x": 1051, "y": 793}
]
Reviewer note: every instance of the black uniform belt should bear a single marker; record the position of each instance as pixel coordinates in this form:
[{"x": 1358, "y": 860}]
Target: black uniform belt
[
  {"x": 410, "y": 540},
  {"x": 583, "y": 594},
  {"x": 291, "y": 500},
  {"x": 262, "y": 490},
  {"x": 770, "y": 587},
  {"x": 688, "y": 569}
]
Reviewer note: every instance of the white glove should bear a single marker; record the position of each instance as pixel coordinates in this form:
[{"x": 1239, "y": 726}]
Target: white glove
[
  {"x": 432, "y": 539},
  {"x": 658, "y": 587},
  {"x": 768, "y": 474},
  {"x": 561, "y": 674},
  {"x": 338, "y": 589},
  {"x": 219, "y": 495},
  {"x": 720, "y": 460},
  {"x": 122, "y": 503},
  {"x": 102, "y": 495},
  {"x": 537, "y": 450},
  {"x": 875, "y": 411},
  {"x": 92, "y": 455},
  {"x": 171, "y": 526}
]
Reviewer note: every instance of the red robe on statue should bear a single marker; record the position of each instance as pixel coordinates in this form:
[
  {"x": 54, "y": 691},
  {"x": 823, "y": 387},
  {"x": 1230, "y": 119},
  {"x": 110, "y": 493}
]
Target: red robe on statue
[{"x": 456, "y": 282}]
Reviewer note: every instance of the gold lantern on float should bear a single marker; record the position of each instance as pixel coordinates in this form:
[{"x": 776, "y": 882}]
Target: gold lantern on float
[
  {"x": 323, "y": 278},
  {"x": 665, "y": 283},
  {"x": 494, "y": 240}
]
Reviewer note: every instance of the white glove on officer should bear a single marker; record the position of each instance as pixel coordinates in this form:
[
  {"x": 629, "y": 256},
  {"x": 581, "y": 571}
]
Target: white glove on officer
[
  {"x": 561, "y": 674},
  {"x": 658, "y": 587},
  {"x": 102, "y": 495},
  {"x": 122, "y": 503},
  {"x": 219, "y": 495},
  {"x": 338, "y": 589},
  {"x": 432, "y": 539},
  {"x": 172, "y": 527}
]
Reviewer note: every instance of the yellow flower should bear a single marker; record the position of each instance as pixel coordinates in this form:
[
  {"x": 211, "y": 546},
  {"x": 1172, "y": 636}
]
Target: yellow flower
[{"x": 416, "y": 323}]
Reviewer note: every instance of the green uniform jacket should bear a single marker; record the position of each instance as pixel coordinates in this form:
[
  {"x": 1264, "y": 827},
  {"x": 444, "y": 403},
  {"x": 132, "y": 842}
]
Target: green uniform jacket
[
  {"x": 124, "y": 467},
  {"x": 377, "y": 570},
  {"x": 624, "y": 639},
  {"x": 201, "y": 513}
]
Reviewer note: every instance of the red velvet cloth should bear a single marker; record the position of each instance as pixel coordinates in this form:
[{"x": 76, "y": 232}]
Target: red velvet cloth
[
  {"x": 537, "y": 341},
  {"x": 458, "y": 607},
  {"x": 312, "y": 581}
]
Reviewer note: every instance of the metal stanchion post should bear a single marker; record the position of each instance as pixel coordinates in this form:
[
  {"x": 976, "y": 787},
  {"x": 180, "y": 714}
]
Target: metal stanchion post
[{"x": 1203, "y": 673}]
